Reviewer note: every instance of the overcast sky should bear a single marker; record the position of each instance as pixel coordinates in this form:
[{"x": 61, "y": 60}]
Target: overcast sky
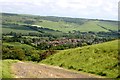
[{"x": 98, "y": 9}]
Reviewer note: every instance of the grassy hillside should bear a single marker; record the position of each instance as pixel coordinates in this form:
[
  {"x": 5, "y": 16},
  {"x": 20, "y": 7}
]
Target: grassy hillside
[
  {"x": 64, "y": 24},
  {"x": 90, "y": 25},
  {"x": 18, "y": 45},
  {"x": 100, "y": 59},
  {"x": 7, "y": 28},
  {"x": 66, "y": 27},
  {"x": 6, "y": 68},
  {"x": 109, "y": 25}
]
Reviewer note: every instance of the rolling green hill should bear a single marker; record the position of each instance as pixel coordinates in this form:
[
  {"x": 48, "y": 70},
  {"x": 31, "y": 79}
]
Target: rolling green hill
[
  {"x": 100, "y": 59},
  {"x": 64, "y": 24}
]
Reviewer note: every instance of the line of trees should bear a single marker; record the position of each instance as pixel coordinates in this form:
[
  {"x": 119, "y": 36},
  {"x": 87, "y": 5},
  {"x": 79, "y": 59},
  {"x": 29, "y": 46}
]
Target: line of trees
[{"x": 11, "y": 52}]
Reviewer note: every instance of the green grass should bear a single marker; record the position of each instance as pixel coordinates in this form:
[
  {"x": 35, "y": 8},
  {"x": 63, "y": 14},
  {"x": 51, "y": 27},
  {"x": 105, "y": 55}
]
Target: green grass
[
  {"x": 25, "y": 31},
  {"x": 100, "y": 59},
  {"x": 109, "y": 25},
  {"x": 90, "y": 26},
  {"x": 61, "y": 26},
  {"x": 18, "y": 45},
  {"x": 87, "y": 26},
  {"x": 6, "y": 68}
]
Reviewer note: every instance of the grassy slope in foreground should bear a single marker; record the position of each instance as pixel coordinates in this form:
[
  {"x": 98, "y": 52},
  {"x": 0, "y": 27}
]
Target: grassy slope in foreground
[
  {"x": 6, "y": 68},
  {"x": 100, "y": 59}
]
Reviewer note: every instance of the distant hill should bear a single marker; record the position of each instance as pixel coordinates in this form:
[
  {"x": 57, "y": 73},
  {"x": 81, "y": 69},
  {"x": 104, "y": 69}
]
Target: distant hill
[
  {"x": 100, "y": 59},
  {"x": 13, "y": 22}
]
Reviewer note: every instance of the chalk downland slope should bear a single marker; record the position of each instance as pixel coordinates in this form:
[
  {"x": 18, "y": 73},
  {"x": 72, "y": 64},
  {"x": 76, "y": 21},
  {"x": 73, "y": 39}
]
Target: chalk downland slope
[{"x": 100, "y": 59}]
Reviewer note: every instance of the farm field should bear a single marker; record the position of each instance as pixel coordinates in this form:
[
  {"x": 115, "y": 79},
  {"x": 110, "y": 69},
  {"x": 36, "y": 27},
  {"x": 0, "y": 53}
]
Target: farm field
[
  {"x": 87, "y": 26},
  {"x": 56, "y": 23}
]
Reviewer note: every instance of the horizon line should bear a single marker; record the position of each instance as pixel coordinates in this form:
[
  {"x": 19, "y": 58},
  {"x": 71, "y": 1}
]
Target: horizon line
[{"x": 58, "y": 16}]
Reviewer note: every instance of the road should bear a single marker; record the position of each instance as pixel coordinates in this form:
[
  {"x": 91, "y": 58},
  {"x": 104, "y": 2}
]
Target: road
[{"x": 35, "y": 70}]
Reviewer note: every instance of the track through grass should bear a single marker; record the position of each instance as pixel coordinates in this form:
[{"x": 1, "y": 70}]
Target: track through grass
[{"x": 100, "y": 59}]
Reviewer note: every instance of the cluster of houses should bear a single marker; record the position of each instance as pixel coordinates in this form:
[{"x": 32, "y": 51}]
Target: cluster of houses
[
  {"x": 64, "y": 41},
  {"x": 59, "y": 41}
]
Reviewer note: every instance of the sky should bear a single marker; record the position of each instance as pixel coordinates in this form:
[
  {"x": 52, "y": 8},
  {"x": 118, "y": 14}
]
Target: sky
[{"x": 92, "y": 9}]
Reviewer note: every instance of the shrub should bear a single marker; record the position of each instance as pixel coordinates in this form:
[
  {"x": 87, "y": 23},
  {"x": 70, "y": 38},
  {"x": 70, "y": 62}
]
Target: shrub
[
  {"x": 61, "y": 65},
  {"x": 101, "y": 73}
]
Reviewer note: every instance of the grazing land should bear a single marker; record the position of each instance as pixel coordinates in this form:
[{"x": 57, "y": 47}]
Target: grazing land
[
  {"x": 100, "y": 59},
  {"x": 13, "y": 22},
  {"x": 77, "y": 44}
]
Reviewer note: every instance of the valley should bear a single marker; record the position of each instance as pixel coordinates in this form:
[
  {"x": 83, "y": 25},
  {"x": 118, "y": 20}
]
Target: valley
[{"x": 87, "y": 46}]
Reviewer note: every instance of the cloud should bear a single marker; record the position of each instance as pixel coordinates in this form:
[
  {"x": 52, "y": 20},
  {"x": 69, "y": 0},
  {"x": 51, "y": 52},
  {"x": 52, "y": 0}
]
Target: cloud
[{"x": 105, "y": 9}]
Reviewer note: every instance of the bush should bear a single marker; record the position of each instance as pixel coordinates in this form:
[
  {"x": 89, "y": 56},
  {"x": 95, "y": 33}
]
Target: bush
[
  {"x": 61, "y": 65},
  {"x": 24, "y": 53},
  {"x": 71, "y": 67},
  {"x": 101, "y": 73},
  {"x": 80, "y": 69},
  {"x": 35, "y": 57}
]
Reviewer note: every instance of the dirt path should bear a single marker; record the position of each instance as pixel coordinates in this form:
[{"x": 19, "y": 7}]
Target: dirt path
[{"x": 33, "y": 70}]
